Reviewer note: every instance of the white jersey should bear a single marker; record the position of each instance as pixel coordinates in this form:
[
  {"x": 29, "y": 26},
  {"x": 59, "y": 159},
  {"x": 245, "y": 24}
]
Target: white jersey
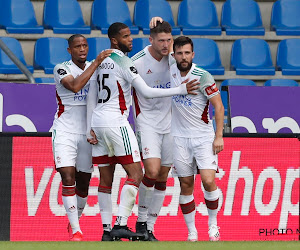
[
  {"x": 152, "y": 114},
  {"x": 190, "y": 113},
  {"x": 113, "y": 78},
  {"x": 71, "y": 107}
]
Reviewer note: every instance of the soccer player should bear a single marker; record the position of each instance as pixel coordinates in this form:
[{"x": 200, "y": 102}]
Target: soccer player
[
  {"x": 72, "y": 153},
  {"x": 195, "y": 141},
  {"x": 113, "y": 138},
  {"x": 153, "y": 124}
]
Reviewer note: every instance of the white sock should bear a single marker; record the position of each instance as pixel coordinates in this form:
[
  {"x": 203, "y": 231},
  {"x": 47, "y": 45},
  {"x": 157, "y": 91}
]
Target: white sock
[
  {"x": 145, "y": 196},
  {"x": 81, "y": 202},
  {"x": 212, "y": 202},
  {"x": 105, "y": 205},
  {"x": 155, "y": 207},
  {"x": 70, "y": 204},
  {"x": 187, "y": 205},
  {"x": 127, "y": 200}
]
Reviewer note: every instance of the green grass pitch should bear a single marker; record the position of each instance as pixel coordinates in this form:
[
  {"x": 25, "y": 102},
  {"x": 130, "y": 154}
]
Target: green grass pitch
[{"x": 164, "y": 245}]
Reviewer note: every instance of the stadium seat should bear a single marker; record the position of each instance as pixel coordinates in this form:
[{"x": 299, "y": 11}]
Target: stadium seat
[
  {"x": 96, "y": 45},
  {"x": 64, "y": 17},
  {"x": 7, "y": 66},
  {"x": 251, "y": 56},
  {"x": 242, "y": 17},
  {"x": 18, "y": 16},
  {"x": 288, "y": 57},
  {"x": 198, "y": 17},
  {"x": 144, "y": 10},
  {"x": 49, "y": 51},
  {"x": 285, "y": 17},
  {"x": 44, "y": 80},
  {"x": 138, "y": 44},
  {"x": 232, "y": 82},
  {"x": 207, "y": 55},
  {"x": 281, "y": 82},
  {"x": 104, "y": 13}
]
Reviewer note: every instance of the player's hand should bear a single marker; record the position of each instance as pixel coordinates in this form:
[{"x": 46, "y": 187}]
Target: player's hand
[
  {"x": 92, "y": 140},
  {"x": 218, "y": 145},
  {"x": 154, "y": 20},
  {"x": 104, "y": 54},
  {"x": 191, "y": 86}
]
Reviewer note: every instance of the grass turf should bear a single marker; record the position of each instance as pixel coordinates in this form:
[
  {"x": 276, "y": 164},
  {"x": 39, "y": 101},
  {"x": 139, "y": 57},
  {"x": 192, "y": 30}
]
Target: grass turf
[{"x": 163, "y": 245}]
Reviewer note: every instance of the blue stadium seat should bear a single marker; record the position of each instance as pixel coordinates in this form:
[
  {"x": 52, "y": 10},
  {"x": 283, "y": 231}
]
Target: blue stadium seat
[
  {"x": 7, "y": 66},
  {"x": 64, "y": 17},
  {"x": 96, "y": 45},
  {"x": 198, "y": 17},
  {"x": 285, "y": 17},
  {"x": 44, "y": 80},
  {"x": 251, "y": 56},
  {"x": 281, "y": 82},
  {"x": 242, "y": 17},
  {"x": 49, "y": 51},
  {"x": 232, "y": 82},
  {"x": 18, "y": 16},
  {"x": 138, "y": 44},
  {"x": 104, "y": 13},
  {"x": 207, "y": 55},
  {"x": 144, "y": 10},
  {"x": 288, "y": 57}
]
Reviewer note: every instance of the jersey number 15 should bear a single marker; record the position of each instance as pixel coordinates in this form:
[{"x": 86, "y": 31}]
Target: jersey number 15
[{"x": 103, "y": 87}]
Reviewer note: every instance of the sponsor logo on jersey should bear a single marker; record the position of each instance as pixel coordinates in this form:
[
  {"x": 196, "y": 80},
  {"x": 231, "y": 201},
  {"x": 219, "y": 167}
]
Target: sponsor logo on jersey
[
  {"x": 133, "y": 69},
  {"x": 184, "y": 100},
  {"x": 162, "y": 85},
  {"x": 61, "y": 72},
  {"x": 149, "y": 71},
  {"x": 211, "y": 89}
]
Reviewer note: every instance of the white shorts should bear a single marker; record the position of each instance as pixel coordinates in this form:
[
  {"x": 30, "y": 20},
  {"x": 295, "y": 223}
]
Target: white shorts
[
  {"x": 72, "y": 150},
  {"x": 115, "y": 145},
  {"x": 155, "y": 145},
  {"x": 192, "y": 153}
]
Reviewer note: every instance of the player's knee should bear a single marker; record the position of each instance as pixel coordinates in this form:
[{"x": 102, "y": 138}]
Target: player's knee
[
  {"x": 209, "y": 184},
  {"x": 152, "y": 173},
  {"x": 68, "y": 180}
]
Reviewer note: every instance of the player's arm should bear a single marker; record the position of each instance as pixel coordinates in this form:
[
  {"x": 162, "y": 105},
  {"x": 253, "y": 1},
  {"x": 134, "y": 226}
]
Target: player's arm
[
  {"x": 76, "y": 84},
  {"x": 218, "y": 143},
  {"x": 91, "y": 104},
  {"x": 188, "y": 87}
]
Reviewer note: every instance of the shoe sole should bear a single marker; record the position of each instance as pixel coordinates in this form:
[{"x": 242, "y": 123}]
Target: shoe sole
[{"x": 132, "y": 238}]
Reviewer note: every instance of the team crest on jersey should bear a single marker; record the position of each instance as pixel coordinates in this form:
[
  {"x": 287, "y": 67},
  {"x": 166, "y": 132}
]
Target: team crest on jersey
[
  {"x": 211, "y": 89},
  {"x": 133, "y": 69},
  {"x": 61, "y": 72}
]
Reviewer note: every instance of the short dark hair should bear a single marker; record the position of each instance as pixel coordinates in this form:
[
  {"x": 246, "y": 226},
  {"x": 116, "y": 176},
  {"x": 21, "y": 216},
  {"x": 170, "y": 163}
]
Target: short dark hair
[
  {"x": 71, "y": 38},
  {"x": 115, "y": 28},
  {"x": 181, "y": 41},
  {"x": 163, "y": 27}
]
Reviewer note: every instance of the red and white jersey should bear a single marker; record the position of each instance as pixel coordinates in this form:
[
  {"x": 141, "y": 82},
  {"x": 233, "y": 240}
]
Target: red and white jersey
[
  {"x": 113, "y": 79},
  {"x": 190, "y": 113},
  {"x": 152, "y": 114},
  {"x": 71, "y": 107}
]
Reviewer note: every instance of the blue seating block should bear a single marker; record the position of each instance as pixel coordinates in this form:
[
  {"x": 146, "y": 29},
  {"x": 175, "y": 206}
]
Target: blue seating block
[
  {"x": 285, "y": 18},
  {"x": 242, "y": 17},
  {"x": 281, "y": 82},
  {"x": 207, "y": 56},
  {"x": 64, "y": 17},
  {"x": 7, "y": 66},
  {"x": 144, "y": 10},
  {"x": 198, "y": 17},
  {"x": 251, "y": 56},
  {"x": 138, "y": 44},
  {"x": 104, "y": 13},
  {"x": 96, "y": 45},
  {"x": 288, "y": 57},
  {"x": 18, "y": 16},
  {"x": 49, "y": 51},
  {"x": 49, "y": 80}
]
